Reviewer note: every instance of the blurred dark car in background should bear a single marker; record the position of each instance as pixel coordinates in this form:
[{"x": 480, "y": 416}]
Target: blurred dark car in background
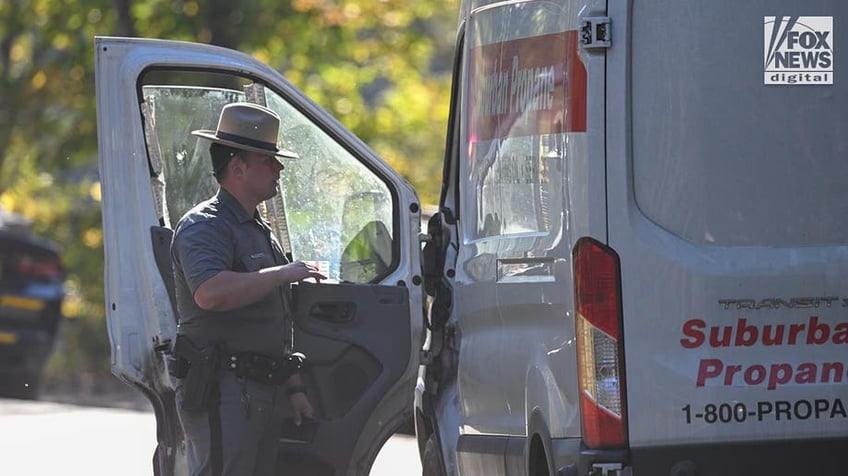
[{"x": 31, "y": 293}]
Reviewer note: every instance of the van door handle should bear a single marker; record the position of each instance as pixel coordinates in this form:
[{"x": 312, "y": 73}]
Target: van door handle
[{"x": 336, "y": 312}]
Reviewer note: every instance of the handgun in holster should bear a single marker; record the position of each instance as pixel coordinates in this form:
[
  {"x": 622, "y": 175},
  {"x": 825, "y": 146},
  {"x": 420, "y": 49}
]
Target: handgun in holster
[{"x": 198, "y": 368}]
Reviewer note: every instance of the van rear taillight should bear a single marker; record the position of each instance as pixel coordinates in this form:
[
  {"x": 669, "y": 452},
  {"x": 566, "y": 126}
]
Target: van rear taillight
[{"x": 600, "y": 356}]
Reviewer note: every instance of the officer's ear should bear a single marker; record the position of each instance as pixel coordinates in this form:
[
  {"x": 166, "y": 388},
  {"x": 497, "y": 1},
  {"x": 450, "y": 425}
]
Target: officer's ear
[{"x": 237, "y": 165}]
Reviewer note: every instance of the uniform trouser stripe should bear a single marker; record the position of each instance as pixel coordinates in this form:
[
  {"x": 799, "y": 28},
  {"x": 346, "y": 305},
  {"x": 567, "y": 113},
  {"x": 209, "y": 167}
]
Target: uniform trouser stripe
[{"x": 215, "y": 435}]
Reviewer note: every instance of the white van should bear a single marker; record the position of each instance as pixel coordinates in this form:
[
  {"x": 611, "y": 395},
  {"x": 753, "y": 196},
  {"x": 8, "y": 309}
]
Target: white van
[
  {"x": 637, "y": 267},
  {"x": 642, "y": 251}
]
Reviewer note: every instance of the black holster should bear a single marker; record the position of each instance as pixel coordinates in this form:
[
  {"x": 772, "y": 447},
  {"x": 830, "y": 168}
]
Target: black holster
[{"x": 198, "y": 368}]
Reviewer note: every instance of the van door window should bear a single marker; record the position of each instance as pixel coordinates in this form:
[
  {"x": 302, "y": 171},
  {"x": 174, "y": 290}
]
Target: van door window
[
  {"x": 524, "y": 93},
  {"x": 513, "y": 188},
  {"x": 332, "y": 209}
]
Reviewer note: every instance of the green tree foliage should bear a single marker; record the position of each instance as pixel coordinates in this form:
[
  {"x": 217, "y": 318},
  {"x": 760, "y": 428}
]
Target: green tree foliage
[
  {"x": 48, "y": 166},
  {"x": 379, "y": 66}
]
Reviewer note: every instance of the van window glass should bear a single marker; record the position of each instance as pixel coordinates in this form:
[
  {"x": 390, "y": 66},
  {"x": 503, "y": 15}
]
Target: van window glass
[
  {"x": 517, "y": 111},
  {"x": 332, "y": 210},
  {"x": 719, "y": 157}
]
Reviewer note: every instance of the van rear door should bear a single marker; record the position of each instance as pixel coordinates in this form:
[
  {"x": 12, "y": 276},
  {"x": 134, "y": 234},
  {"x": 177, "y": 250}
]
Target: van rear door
[{"x": 727, "y": 201}]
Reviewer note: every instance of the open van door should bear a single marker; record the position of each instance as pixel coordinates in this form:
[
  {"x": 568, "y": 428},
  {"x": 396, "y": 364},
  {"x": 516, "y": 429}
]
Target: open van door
[{"x": 339, "y": 206}]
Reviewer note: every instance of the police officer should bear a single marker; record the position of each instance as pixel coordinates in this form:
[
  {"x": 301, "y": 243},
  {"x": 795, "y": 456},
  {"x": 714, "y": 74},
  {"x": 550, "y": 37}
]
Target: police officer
[{"x": 232, "y": 286}]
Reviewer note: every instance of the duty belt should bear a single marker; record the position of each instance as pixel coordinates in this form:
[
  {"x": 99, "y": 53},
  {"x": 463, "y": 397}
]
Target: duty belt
[{"x": 263, "y": 368}]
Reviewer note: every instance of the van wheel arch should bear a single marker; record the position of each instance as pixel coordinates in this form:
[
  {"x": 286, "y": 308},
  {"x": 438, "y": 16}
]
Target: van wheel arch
[{"x": 538, "y": 463}]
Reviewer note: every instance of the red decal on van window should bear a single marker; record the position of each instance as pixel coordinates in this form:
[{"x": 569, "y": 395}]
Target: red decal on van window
[{"x": 525, "y": 87}]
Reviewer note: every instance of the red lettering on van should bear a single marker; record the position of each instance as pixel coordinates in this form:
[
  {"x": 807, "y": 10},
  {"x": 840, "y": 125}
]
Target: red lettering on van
[
  {"x": 747, "y": 334},
  {"x": 840, "y": 333},
  {"x": 693, "y": 330},
  {"x": 709, "y": 368},
  {"x": 817, "y": 334},
  {"x": 772, "y": 375}
]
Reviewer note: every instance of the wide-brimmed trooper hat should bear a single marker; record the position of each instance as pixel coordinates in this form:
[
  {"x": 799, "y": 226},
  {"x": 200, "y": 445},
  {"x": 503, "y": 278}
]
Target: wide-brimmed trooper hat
[{"x": 249, "y": 127}]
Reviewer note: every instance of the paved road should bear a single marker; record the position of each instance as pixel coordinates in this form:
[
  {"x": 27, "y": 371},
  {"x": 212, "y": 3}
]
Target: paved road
[{"x": 45, "y": 438}]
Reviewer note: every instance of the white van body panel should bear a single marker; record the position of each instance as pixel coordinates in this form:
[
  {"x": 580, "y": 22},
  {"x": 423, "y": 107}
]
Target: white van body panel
[{"x": 733, "y": 263}]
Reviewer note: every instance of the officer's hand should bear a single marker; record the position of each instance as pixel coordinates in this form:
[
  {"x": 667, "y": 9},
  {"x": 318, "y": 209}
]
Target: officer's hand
[
  {"x": 301, "y": 408},
  {"x": 299, "y": 271}
]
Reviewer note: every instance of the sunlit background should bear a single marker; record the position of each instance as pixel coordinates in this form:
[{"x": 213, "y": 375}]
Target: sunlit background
[{"x": 382, "y": 67}]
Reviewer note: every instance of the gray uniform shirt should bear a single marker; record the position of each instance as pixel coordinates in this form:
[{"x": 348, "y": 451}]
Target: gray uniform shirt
[{"x": 218, "y": 235}]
